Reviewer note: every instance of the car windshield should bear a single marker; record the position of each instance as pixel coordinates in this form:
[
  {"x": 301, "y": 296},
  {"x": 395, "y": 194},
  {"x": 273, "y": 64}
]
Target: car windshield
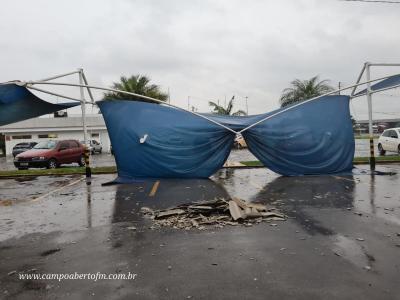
[
  {"x": 22, "y": 145},
  {"x": 45, "y": 145}
]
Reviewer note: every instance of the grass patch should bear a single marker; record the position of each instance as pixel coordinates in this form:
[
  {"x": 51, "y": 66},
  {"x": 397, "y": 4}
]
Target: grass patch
[
  {"x": 252, "y": 163},
  {"x": 356, "y": 160},
  {"x": 378, "y": 159},
  {"x": 365, "y": 137},
  {"x": 59, "y": 171},
  {"x": 113, "y": 169}
]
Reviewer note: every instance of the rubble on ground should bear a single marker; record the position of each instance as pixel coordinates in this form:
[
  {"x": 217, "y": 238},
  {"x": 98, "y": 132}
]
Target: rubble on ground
[{"x": 217, "y": 212}]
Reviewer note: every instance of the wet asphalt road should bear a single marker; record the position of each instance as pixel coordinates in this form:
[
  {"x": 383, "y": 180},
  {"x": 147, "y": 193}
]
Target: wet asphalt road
[{"x": 341, "y": 241}]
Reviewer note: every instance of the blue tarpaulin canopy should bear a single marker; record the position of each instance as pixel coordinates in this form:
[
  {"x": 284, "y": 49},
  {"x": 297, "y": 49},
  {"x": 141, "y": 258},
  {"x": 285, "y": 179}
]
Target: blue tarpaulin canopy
[
  {"x": 152, "y": 140},
  {"x": 17, "y": 103},
  {"x": 387, "y": 83}
]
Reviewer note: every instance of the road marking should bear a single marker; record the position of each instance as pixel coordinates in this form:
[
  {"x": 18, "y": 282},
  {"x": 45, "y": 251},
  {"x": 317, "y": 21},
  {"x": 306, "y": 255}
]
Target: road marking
[
  {"x": 154, "y": 188},
  {"x": 56, "y": 190}
]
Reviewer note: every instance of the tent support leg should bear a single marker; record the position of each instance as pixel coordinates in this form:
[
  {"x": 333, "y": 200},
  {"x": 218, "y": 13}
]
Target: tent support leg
[
  {"x": 83, "y": 106},
  {"x": 371, "y": 130}
]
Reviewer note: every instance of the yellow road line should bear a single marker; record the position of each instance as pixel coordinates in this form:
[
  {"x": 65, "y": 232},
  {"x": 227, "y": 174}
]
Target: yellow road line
[
  {"x": 154, "y": 188},
  {"x": 56, "y": 190}
]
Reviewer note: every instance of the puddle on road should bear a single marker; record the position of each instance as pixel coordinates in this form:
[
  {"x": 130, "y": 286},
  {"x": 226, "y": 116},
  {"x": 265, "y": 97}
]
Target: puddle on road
[
  {"x": 351, "y": 251},
  {"x": 78, "y": 207}
]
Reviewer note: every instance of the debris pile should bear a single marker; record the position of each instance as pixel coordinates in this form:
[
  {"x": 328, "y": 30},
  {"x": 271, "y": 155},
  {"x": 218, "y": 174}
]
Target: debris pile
[{"x": 218, "y": 212}]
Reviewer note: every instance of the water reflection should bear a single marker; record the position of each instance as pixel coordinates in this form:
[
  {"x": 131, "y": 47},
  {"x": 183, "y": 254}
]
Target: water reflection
[
  {"x": 89, "y": 205},
  {"x": 294, "y": 195}
]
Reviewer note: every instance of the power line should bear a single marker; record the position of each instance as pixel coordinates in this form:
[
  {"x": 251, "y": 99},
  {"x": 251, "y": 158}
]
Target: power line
[{"x": 373, "y": 1}]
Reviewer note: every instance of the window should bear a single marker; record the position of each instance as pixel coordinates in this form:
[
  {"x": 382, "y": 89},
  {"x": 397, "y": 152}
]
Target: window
[
  {"x": 64, "y": 145},
  {"x": 21, "y": 137},
  {"x": 73, "y": 144},
  {"x": 95, "y": 135},
  {"x": 45, "y": 145},
  {"x": 393, "y": 134},
  {"x": 47, "y": 136},
  {"x": 386, "y": 133}
]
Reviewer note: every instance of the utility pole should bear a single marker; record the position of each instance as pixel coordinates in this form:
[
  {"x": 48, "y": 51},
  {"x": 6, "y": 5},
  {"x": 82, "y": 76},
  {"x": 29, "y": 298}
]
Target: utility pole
[
  {"x": 188, "y": 102},
  {"x": 247, "y": 107},
  {"x": 339, "y": 87}
]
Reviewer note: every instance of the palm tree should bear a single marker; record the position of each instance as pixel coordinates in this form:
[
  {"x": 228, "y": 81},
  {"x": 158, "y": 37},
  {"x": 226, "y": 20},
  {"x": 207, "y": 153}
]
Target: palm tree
[
  {"x": 137, "y": 84},
  {"x": 220, "y": 110},
  {"x": 301, "y": 90}
]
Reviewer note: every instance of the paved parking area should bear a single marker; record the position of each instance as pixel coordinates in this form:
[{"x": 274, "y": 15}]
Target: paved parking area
[{"x": 341, "y": 239}]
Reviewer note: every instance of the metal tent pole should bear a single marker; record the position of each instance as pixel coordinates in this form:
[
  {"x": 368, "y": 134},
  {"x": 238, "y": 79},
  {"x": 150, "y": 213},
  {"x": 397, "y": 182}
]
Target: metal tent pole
[
  {"x": 30, "y": 83},
  {"x": 358, "y": 80},
  {"x": 59, "y": 76},
  {"x": 88, "y": 89},
  {"x": 83, "y": 106},
  {"x": 54, "y": 94},
  {"x": 312, "y": 99},
  {"x": 371, "y": 132}
]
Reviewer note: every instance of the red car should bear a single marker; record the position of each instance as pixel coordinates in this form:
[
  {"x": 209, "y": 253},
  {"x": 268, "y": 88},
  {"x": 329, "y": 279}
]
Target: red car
[{"x": 51, "y": 154}]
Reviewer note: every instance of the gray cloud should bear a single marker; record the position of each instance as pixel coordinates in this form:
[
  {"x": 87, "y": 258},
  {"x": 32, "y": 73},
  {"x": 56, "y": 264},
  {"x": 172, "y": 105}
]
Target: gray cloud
[{"x": 208, "y": 50}]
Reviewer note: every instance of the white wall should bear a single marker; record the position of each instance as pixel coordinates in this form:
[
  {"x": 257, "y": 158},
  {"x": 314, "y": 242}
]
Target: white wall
[{"x": 63, "y": 135}]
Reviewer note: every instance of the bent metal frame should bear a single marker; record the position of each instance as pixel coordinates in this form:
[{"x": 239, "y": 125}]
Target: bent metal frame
[{"x": 83, "y": 84}]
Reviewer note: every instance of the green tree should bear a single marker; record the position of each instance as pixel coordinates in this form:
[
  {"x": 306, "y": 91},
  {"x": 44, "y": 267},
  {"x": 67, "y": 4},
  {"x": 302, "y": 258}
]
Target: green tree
[
  {"x": 137, "y": 84},
  {"x": 301, "y": 90},
  {"x": 220, "y": 110}
]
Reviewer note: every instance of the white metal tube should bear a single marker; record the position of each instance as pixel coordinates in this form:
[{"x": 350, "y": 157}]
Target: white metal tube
[
  {"x": 384, "y": 65},
  {"x": 358, "y": 80},
  {"x": 54, "y": 94},
  {"x": 58, "y": 76},
  {"x": 369, "y": 99},
  {"x": 83, "y": 106},
  {"x": 312, "y": 99},
  {"x": 199, "y": 115},
  {"x": 129, "y": 93},
  {"x": 371, "y": 130},
  {"x": 88, "y": 89}
]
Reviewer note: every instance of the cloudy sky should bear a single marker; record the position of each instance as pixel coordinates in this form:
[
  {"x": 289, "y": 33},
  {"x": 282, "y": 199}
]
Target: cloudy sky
[{"x": 205, "y": 49}]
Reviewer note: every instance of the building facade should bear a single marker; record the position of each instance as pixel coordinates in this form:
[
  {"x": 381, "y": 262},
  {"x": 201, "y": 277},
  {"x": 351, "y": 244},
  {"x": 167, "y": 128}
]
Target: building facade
[{"x": 50, "y": 128}]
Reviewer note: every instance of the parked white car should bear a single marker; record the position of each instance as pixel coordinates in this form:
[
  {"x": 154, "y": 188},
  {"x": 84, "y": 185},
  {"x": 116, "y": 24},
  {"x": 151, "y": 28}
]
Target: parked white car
[
  {"x": 94, "y": 146},
  {"x": 389, "y": 141}
]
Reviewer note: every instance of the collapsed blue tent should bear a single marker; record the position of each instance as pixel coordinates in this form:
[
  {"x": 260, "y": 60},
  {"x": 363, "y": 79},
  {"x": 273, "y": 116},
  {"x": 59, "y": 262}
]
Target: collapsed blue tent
[
  {"x": 158, "y": 141},
  {"x": 390, "y": 82},
  {"x": 17, "y": 103}
]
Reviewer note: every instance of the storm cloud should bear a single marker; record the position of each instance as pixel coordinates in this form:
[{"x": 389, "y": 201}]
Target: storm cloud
[{"x": 208, "y": 50}]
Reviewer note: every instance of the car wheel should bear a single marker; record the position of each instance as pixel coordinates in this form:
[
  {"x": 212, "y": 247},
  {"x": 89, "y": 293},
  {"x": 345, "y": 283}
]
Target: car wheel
[
  {"x": 381, "y": 150},
  {"x": 52, "y": 164},
  {"x": 101, "y": 149},
  {"x": 398, "y": 149},
  {"x": 81, "y": 161}
]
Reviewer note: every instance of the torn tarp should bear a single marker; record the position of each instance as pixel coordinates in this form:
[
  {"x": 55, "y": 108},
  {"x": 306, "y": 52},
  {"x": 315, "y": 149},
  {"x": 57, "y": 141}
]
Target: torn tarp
[
  {"x": 17, "y": 103},
  {"x": 157, "y": 141},
  {"x": 387, "y": 83}
]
